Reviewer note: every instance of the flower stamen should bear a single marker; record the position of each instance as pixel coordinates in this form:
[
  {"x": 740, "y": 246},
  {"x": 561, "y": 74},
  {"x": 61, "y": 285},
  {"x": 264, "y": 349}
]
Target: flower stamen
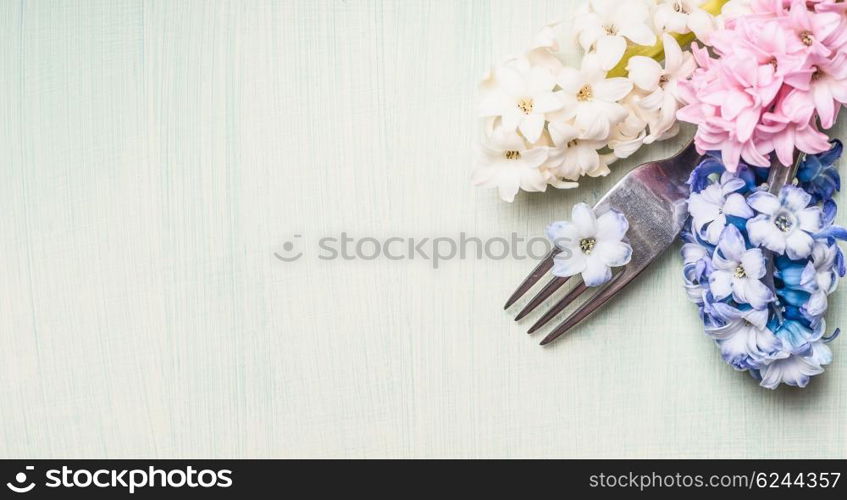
[
  {"x": 513, "y": 155},
  {"x": 663, "y": 80},
  {"x": 585, "y": 93},
  {"x": 610, "y": 29},
  {"x": 587, "y": 245},
  {"x": 807, "y": 38},
  {"x": 783, "y": 223},
  {"x": 740, "y": 272},
  {"x": 526, "y": 105}
]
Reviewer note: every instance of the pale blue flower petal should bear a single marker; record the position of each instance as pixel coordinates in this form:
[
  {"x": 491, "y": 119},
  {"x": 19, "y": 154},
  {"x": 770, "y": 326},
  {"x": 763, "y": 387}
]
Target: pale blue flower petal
[
  {"x": 612, "y": 226},
  {"x": 797, "y": 337},
  {"x": 794, "y": 371},
  {"x": 764, "y": 202},
  {"x": 762, "y": 232},
  {"x": 583, "y": 217},
  {"x": 794, "y": 199},
  {"x": 720, "y": 283},
  {"x": 730, "y": 183},
  {"x": 817, "y": 304},
  {"x": 596, "y": 273},
  {"x": 753, "y": 262},
  {"x": 612, "y": 253},
  {"x": 798, "y": 245},
  {"x": 569, "y": 263},
  {"x": 563, "y": 234},
  {"x": 731, "y": 245},
  {"x": 810, "y": 219},
  {"x": 692, "y": 252},
  {"x": 712, "y": 231},
  {"x": 737, "y": 206},
  {"x": 793, "y": 276},
  {"x": 751, "y": 291}
]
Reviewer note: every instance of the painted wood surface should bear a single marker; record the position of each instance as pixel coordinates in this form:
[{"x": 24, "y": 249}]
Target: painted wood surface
[{"x": 157, "y": 154}]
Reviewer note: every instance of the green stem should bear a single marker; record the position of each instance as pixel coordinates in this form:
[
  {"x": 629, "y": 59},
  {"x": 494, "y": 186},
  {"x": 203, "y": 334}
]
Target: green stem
[{"x": 657, "y": 51}]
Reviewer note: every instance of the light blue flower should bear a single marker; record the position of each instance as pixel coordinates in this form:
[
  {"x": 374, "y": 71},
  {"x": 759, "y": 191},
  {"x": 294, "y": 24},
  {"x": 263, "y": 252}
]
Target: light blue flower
[
  {"x": 697, "y": 265},
  {"x": 829, "y": 230},
  {"x": 791, "y": 274},
  {"x": 710, "y": 207},
  {"x": 712, "y": 167},
  {"x": 744, "y": 339},
  {"x": 738, "y": 271},
  {"x": 724, "y": 274},
  {"x": 590, "y": 245},
  {"x": 785, "y": 224},
  {"x": 796, "y": 370},
  {"x": 820, "y": 278},
  {"x": 818, "y": 174},
  {"x": 796, "y": 336}
]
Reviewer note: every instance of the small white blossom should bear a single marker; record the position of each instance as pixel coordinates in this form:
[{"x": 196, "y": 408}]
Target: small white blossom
[
  {"x": 660, "y": 84},
  {"x": 820, "y": 277},
  {"x": 590, "y": 245},
  {"x": 709, "y": 207},
  {"x": 572, "y": 157},
  {"x": 684, "y": 16},
  {"x": 738, "y": 271},
  {"x": 591, "y": 100},
  {"x": 628, "y": 136},
  {"x": 605, "y": 27},
  {"x": 786, "y": 223},
  {"x": 797, "y": 370},
  {"x": 521, "y": 95},
  {"x": 744, "y": 338},
  {"x": 507, "y": 163}
]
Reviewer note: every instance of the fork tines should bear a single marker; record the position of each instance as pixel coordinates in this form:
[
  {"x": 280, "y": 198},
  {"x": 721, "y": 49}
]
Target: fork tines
[
  {"x": 604, "y": 293},
  {"x": 652, "y": 197}
]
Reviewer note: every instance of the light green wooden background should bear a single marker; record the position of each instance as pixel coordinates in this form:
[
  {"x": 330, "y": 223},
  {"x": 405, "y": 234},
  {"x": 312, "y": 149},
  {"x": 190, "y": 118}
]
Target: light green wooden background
[{"x": 155, "y": 155}]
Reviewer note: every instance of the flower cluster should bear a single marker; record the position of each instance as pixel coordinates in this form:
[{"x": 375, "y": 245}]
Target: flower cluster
[
  {"x": 760, "y": 266},
  {"x": 548, "y": 123},
  {"x": 779, "y": 76}
]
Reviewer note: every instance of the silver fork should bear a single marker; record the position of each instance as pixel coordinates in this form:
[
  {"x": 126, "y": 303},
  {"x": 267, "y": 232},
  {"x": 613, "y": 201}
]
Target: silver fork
[{"x": 653, "y": 199}]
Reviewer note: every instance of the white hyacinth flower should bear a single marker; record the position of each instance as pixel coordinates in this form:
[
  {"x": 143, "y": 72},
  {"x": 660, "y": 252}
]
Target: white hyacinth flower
[
  {"x": 660, "y": 84},
  {"x": 786, "y": 223},
  {"x": 709, "y": 207},
  {"x": 684, "y": 16},
  {"x": 507, "y": 163},
  {"x": 738, "y": 271},
  {"x": 591, "y": 100},
  {"x": 797, "y": 370},
  {"x": 572, "y": 157},
  {"x": 521, "y": 95},
  {"x": 590, "y": 245},
  {"x": 607, "y": 26}
]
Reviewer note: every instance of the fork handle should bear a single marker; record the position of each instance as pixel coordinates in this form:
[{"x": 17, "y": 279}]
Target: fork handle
[
  {"x": 779, "y": 175},
  {"x": 683, "y": 163}
]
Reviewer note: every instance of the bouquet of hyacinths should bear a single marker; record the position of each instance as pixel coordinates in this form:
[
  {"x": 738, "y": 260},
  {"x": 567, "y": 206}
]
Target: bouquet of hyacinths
[
  {"x": 761, "y": 255},
  {"x": 548, "y": 122},
  {"x": 760, "y": 266},
  {"x": 779, "y": 75}
]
